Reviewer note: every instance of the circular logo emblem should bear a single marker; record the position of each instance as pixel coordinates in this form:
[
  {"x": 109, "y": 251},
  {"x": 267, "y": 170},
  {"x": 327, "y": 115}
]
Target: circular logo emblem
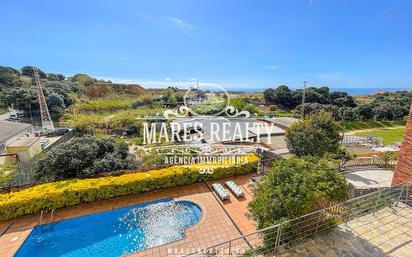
[{"x": 210, "y": 100}]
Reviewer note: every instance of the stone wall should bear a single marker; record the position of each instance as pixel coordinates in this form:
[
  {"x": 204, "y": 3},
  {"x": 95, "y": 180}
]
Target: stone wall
[{"x": 403, "y": 170}]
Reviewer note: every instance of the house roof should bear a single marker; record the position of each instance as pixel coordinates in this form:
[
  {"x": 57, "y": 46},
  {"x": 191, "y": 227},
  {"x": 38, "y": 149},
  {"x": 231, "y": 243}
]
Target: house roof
[
  {"x": 24, "y": 141},
  {"x": 9, "y": 129},
  {"x": 282, "y": 122}
]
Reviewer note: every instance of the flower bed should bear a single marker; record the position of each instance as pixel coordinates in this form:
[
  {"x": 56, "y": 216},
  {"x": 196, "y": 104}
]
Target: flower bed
[{"x": 72, "y": 192}]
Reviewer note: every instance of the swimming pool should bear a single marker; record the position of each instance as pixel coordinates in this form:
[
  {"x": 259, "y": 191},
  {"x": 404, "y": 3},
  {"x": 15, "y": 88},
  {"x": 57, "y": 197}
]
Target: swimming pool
[{"x": 114, "y": 233}]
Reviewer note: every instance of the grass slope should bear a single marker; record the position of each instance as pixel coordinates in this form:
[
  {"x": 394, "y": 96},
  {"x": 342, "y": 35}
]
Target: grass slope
[
  {"x": 360, "y": 125},
  {"x": 389, "y": 135}
]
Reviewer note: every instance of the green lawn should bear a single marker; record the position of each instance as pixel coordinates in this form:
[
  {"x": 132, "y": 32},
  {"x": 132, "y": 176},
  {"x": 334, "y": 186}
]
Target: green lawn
[
  {"x": 389, "y": 135},
  {"x": 358, "y": 125}
]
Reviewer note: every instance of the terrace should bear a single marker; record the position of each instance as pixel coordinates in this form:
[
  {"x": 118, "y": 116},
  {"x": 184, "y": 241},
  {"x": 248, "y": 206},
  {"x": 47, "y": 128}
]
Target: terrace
[
  {"x": 375, "y": 224},
  {"x": 219, "y": 221}
]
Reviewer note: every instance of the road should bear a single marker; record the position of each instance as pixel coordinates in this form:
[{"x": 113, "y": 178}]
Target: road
[{"x": 4, "y": 116}]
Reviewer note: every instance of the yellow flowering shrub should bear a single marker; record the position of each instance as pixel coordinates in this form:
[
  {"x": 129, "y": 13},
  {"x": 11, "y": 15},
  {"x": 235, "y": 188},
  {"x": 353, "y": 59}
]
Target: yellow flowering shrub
[{"x": 72, "y": 192}]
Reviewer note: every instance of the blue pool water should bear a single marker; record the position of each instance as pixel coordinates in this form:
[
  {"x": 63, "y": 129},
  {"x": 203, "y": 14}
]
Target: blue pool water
[{"x": 114, "y": 233}]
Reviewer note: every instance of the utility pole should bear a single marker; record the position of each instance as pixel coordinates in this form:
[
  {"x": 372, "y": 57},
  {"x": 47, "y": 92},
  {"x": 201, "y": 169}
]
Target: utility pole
[
  {"x": 46, "y": 121},
  {"x": 303, "y": 98}
]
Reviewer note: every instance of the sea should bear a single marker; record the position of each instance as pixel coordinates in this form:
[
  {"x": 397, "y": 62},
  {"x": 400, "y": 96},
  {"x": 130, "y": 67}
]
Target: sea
[{"x": 350, "y": 91}]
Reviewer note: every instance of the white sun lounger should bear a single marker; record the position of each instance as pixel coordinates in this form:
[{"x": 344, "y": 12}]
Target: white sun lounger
[
  {"x": 236, "y": 190},
  {"x": 220, "y": 191}
]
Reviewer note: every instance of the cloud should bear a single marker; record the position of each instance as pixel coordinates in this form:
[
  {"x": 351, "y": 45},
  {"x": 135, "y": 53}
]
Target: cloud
[
  {"x": 384, "y": 13},
  {"x": 183, "y": 84},
  {"x": 180, "y": 24},
  {"x": 272, "y": 67},
  {"x": 167, "y": 79}
]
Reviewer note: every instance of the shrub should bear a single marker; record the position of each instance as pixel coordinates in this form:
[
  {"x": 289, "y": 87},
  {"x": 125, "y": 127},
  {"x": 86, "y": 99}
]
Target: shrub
[
  {"x": 83, "y": 157},
  {"x": 387, "y": 157},
  {"x": 68, "y": 193},
  {"x": 295, "y": 187},
  {"x": 316, "y": 135}
]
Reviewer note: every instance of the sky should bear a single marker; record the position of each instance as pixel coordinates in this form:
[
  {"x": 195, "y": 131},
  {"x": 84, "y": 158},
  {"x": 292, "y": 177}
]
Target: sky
[{"x": 230, "y": 43}]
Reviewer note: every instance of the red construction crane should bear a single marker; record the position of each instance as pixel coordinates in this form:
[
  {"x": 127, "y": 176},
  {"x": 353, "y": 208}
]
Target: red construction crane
[{"x": 46, "y": 121}]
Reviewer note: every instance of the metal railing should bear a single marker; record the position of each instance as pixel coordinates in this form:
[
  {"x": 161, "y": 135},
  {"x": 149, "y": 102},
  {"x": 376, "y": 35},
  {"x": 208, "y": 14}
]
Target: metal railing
[
  {"x": 271, "y": 239},
  {"x": 348, "y": 140},
  {"x": 368, "y": 161}
]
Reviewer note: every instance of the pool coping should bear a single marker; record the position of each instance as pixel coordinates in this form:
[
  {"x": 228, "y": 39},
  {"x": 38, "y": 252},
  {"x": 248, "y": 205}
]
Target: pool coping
[
  {"x": 174, "y": 199},
  {"x": 198, "y": 234},
  {"x": 200, "y": 222},
  {"x": 34, "y": 217}
]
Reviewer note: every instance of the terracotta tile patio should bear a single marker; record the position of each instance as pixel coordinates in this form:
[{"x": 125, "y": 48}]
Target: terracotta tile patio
[
  {"x": 214, "y": 227},
  {"x": 237, "y": 207}
]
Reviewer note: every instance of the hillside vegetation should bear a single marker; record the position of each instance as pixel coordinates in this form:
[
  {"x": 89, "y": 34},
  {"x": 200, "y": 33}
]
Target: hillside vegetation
[
  {"x": 17, "y": 90},
  {"x": 107, "y": 90},
  {"x": 386, "y": 106}
]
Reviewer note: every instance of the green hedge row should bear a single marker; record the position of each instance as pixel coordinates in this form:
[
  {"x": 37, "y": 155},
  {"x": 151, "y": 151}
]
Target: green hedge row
[{"x": 73, "y": 192}]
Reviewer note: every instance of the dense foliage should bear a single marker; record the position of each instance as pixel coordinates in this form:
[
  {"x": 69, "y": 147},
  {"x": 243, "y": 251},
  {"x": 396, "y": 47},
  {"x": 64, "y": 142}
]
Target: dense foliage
[
  {"x": 120, "y": 121},
  {"x": 68, "y": 193},
  {"x": 83, "y": 157},
  {"x": 315, "y": 135},
  {"x": 295, "y": 187},
  {"x": 383, "y": 106},
  {"x": 290, "y": 99},
  {"x": 243, "y": 105},
  {"x": 17, "y": 89}
]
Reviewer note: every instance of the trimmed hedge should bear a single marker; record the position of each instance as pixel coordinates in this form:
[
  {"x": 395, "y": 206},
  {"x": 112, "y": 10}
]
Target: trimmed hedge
[{"x": 77, "y": 191}]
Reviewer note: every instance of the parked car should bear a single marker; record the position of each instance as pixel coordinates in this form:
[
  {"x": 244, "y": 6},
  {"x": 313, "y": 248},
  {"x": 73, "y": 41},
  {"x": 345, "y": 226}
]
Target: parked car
[
  {"x": 14, "y": 117},
  {"x": 55, "y": 132}
]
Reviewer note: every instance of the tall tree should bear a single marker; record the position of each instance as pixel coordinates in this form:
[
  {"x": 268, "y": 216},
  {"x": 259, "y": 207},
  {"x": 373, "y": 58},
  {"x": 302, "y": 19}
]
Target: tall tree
[
  {"x": 28, "y": 71},
  {"x": 316, "y": 135}
]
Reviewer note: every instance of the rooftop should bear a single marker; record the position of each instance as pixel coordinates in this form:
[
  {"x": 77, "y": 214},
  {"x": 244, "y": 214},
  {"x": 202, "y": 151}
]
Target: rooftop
[
  {"x": 24, "y": 141},
  {"x": 9, "y": 129},
  {"x": 370, "y": 178},
  {"x": 282, "y": 122}
]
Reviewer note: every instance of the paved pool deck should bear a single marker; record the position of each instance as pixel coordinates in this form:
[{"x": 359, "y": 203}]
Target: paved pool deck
[{"x": 220, "y": 220}]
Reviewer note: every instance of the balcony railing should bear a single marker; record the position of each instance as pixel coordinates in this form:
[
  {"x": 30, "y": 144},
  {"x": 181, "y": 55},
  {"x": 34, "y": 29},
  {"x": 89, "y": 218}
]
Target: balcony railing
[{"x": 271, "y": 239}]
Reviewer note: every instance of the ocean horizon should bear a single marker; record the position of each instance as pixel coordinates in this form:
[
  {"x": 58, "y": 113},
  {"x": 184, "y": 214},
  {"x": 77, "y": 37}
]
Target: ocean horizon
[{"x": 350, "y": 91}]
